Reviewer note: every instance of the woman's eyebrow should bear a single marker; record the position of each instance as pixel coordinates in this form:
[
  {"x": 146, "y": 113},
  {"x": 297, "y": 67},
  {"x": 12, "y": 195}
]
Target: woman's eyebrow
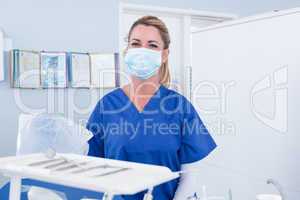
[
  {"x": 153, "y": 41},
  {"x": 136, "y": 39}
]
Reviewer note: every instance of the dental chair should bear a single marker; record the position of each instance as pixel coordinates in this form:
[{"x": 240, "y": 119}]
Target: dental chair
[{"x": 36, "y": 190}]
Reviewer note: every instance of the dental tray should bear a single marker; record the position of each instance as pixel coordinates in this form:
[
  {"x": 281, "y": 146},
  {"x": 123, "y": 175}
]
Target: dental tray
[{"x": 111, "y": 177}]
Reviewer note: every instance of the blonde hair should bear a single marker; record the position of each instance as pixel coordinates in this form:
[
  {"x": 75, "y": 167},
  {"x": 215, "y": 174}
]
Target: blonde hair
[{"x": 164, "y": 33}]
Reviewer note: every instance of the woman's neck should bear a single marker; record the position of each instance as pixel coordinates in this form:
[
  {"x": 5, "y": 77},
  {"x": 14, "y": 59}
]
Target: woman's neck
[
  {"x": 140, "y": 88},
  {"x": 140, "y": 91}
]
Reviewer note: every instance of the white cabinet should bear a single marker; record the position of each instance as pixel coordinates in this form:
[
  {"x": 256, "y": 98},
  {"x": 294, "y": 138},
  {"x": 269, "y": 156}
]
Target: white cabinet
[{"x": 246, "y": 78}]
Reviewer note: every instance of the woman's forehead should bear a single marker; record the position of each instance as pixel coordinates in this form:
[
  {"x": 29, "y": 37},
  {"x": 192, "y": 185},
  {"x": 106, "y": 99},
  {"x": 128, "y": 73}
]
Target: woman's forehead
[{"x": 145, "y": 33}]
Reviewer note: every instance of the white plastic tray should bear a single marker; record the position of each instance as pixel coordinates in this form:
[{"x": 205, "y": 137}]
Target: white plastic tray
[{"x": 111, "y": 177}]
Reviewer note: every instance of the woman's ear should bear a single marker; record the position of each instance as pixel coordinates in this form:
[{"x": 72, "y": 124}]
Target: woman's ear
[{"x": 165, "y": 55}]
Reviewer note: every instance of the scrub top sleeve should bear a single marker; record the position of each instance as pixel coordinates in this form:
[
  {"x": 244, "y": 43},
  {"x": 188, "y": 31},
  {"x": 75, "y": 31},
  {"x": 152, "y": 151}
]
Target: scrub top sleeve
[
  {"x": 196, "y": 142},
  {"x": 94, "y": 124}
]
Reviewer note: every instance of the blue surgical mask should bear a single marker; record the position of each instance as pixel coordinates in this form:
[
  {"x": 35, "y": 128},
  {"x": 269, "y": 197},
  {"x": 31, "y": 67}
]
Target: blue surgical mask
[{"x": 142, "y": 63}]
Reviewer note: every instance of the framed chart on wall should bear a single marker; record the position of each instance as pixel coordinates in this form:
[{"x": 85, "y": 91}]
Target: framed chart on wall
[
  {"x": 104, "y": 67},
  {"x": 53, "y": 70},
  {"x": 79, "y": 70},
  {"x": 25, "y": 69}
]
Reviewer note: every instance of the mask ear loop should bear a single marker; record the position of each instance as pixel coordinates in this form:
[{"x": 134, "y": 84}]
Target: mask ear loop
[
  {"x": 127, "y": 46},
  {"x": 148, "y": 195},
  {"x": 125, "y": 51}
]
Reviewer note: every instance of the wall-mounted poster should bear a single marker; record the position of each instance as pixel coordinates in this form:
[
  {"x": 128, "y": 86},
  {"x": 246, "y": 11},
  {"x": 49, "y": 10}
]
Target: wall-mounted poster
[
  {"x": 29, "y": 69},
  {"x": 104, "y": 70},
  {"x": 80, "y": 70},
  {"x": 25, "y": 69},
  {"x": 53, "y": 70}
]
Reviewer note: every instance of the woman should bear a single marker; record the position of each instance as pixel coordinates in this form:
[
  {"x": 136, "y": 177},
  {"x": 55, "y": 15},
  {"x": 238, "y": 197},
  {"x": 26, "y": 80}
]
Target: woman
[{"x": 145, "y": 121}]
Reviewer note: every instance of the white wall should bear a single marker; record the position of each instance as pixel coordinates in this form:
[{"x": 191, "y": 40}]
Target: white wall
[
  {"x": 61, "y": 24},
  {"x": 1, "y": 55}
]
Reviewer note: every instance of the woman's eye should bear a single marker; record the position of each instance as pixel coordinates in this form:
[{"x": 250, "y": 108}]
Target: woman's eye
[
  {"x": 134, "y": 44},
  {"x": 153, "y": 46}
]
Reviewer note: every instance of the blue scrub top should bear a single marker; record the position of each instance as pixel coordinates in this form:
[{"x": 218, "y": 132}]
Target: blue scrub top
[{"x": 168, "y": 132}]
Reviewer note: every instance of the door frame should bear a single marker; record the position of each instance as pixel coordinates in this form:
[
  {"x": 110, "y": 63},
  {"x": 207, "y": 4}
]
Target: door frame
[{"x": 188, "y": 15}]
